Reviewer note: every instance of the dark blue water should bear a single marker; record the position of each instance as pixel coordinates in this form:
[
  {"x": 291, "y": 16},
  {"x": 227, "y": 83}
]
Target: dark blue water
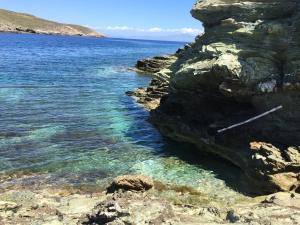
[{"x": 64, "y": 115}]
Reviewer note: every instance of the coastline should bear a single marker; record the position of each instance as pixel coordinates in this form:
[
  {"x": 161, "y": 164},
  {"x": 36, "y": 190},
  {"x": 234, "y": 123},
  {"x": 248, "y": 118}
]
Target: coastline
[
  {"x": 13, "y": 22},
  {"x": 188, "y": 102},
  {"x": 161, "y": 205},
  {"x": 52, "y": 34}
]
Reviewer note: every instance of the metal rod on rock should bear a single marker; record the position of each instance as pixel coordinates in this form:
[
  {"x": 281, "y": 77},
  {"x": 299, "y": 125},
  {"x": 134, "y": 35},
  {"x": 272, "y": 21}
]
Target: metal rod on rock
[{"x": 251, "y": 119}]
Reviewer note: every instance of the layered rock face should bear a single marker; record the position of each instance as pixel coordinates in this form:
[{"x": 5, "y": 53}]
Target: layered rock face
[
  {"x": 246, "y": 63},
  {"x": 155, "y": 64},
  {"x": 158, "y": 67}
]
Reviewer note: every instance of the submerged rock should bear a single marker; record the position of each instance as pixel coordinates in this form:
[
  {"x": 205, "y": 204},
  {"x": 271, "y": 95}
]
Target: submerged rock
[{"x": 131, "y": 183}]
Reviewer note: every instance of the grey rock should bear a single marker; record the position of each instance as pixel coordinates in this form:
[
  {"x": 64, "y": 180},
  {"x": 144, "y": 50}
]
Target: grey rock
[
  {"x": 232, "y": 216},
  {"x": 246, "y": 63},
  {"x": 155, "y": 64}
]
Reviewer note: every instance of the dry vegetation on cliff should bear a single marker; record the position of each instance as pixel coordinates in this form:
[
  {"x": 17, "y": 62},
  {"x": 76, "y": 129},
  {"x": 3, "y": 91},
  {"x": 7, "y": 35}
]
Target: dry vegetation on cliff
[{"x": 25, "y": 23}]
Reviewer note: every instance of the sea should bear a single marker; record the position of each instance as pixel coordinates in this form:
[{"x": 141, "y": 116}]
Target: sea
[{"x": 65, "y": 118}]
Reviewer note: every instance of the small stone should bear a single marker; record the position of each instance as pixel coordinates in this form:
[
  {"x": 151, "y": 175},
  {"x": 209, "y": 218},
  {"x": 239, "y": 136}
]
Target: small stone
[
  {"x": 59, "y": 215},
  {"x": 232, "y": 217},
  {"x": 293, "y": 195},
  {"x": 35, "y": 207},
  {"x": 9, "y": 206}
]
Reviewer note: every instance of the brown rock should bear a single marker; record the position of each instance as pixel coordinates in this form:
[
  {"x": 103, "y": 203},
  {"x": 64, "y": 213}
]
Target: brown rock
[
  {"x": 293, "y": 154},
  {"x": 273, "y": 166},
  {"x": 131, "y": 182},
  {"x": 284, "y": 199},
  {"x": 155, "y": 64}
]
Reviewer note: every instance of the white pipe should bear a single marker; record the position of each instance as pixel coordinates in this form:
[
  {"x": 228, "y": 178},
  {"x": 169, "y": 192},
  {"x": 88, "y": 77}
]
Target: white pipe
[{"x": 251, "y": 119}]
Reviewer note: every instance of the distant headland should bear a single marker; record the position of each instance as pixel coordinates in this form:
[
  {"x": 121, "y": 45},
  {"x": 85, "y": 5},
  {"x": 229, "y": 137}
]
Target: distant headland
[{"x": 14, "y": 22}]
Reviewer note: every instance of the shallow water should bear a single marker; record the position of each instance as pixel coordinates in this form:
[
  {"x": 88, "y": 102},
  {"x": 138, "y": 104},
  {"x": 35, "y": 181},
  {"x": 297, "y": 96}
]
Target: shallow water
[{"x": 65, "y": 117}]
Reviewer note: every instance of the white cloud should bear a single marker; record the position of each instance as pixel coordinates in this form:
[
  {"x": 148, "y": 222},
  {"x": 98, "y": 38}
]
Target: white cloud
[
  {"x": 190, "y": 31},
  {"x": 152, "y": 33},
  {"x": 155, "y": 29},
  {"x": 117, "y": 28},
  {"x": 185, "y": 30}
]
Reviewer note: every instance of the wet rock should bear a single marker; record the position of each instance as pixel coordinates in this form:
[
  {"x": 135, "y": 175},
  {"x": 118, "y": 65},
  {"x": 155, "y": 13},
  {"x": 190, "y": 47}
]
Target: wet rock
[
  {"x": 158, "y": 66},
  {"x": 131, "y": 182},
  {"x": 130, "y": 93}
]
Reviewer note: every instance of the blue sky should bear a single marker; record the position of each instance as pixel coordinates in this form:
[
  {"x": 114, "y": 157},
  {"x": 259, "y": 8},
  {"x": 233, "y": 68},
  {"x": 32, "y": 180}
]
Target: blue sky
[{"x": 152, "y": 19}]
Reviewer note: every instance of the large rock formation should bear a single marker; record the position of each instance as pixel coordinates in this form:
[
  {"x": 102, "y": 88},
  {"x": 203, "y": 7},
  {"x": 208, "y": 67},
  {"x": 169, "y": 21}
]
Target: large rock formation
[{"x": 246, "y": 63}]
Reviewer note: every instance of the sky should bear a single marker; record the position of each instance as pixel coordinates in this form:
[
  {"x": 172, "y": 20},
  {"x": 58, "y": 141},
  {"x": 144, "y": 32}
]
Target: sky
[{"x": 143, "y": 19}]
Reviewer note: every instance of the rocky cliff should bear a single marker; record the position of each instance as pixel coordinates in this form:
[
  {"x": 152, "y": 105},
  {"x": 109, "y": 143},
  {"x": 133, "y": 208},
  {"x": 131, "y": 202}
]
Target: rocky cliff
[
  {"x": 25, "y": 23},
  {"x": 245, "y": 64}
]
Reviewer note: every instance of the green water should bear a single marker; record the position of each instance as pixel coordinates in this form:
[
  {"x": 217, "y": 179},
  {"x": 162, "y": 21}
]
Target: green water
[{"x": 66, "y": 120}]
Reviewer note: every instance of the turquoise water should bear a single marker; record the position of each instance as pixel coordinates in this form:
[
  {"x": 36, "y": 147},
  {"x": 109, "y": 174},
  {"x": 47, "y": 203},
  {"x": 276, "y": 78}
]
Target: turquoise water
[{"x": 65, "y": 117}]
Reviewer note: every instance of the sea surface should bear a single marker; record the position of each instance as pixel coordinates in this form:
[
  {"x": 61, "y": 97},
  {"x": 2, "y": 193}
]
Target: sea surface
[{"x": 64, "y": 117}]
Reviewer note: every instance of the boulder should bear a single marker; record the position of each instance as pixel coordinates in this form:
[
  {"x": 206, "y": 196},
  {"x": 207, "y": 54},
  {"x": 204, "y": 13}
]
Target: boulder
[
  {"x": 272, "y": 164},
  {"x": 131, "y": 183}
]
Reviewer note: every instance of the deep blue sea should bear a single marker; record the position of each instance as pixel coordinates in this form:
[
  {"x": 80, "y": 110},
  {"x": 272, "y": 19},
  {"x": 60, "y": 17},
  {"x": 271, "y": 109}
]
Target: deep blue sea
[{"x": 65, "y": 119}]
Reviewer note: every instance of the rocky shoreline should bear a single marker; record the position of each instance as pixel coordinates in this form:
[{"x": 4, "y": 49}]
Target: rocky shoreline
[
  {"x": 242, "y": 67},
  {"x": 20, "y": 23},
  {"x": 50, "y": 33},
  {"x": 139, "y": 200},
  {"x": 245, "y": 64},
  {"x": 159, "y": 67}
]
